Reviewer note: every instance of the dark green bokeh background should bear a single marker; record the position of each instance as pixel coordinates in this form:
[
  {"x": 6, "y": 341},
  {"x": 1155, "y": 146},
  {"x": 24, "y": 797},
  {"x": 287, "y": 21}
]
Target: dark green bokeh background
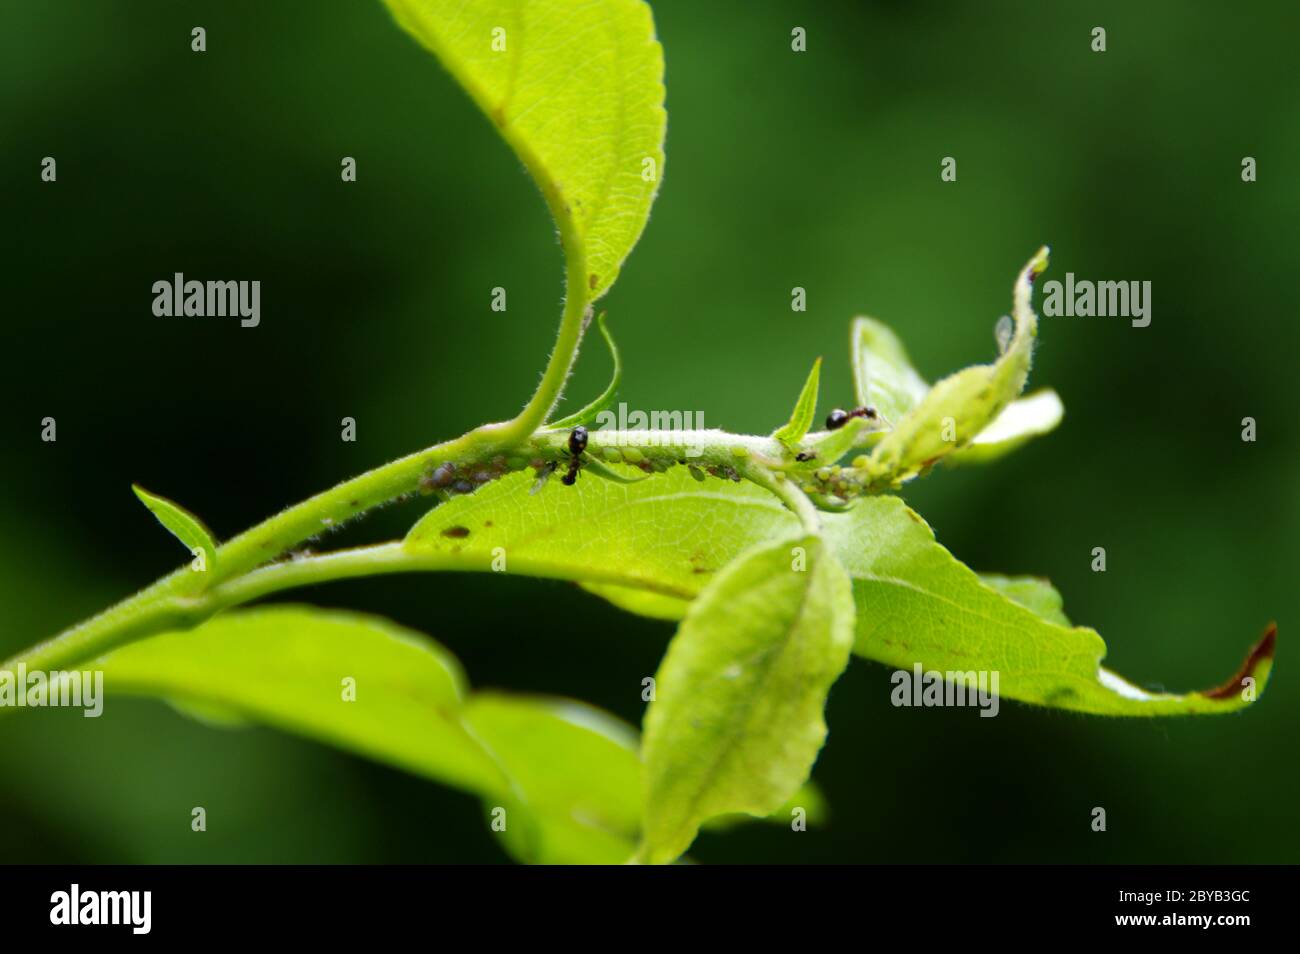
[{"x": 818, "y": 169}]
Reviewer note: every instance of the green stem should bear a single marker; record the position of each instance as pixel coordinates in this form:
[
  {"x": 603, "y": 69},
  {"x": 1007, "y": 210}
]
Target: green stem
[
  {"x": 161, "y": 606},
  {"x": 573, "y": 323},
  {"x": 184, "y": 598},
  {"x": 789, "y": 494}
]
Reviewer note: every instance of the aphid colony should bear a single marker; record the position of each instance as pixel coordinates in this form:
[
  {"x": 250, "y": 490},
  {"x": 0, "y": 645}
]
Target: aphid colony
[
  {"x": 454, "y": 478},
  {"x": 450, "y": 477}
]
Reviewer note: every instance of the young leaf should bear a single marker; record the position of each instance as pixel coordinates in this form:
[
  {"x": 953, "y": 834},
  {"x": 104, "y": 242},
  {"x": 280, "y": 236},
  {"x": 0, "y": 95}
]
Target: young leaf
[
  {"x": 961, "y": 406},
  {"x": 589, "y": 413},
  {"x": 184, "y": 526},
  {"x": 1021, "y": 420},
  {"x": 737, "y": 720},
  {"x": 577, "y": 91},
  {"x": 830, "y": 446},
  {"x": 805, "y": 409},
  {"x": 883, "y": 376},
  {"x": 886, "y": 380}
]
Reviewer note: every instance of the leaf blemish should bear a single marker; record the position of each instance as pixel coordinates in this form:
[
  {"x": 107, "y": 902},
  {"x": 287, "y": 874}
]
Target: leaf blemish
[
  {"x": 457, "y": 533},
  {"x": 1261, "y": 651}
]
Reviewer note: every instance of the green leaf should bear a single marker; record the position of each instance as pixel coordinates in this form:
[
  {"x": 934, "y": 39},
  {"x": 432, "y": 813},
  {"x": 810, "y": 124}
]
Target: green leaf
[
  {"x": 567, "y": 774},
  {"x": 809, "y": 799},
  {"x": 653, "y": 547},
  {"x": 577, "y": 91},
  {"x": 641, "y": 602},
  {"x": 1023, "y": 419},
  {"x": 184, "y": 526},
  {"x": 805, "y": 409},
  {"x": 576, "y": 775},
  {"x": 883, "y": 376},
  {"x": 958, "y": 408},
  {"x": 667, "y": 535},
  {"x": 1032, "y": 592},
  {"x": 830, "y": 446},
  {"x": 286, "y": 666},
  {"x": 738, "y": 716},
  {"x": 886, "y": 380},
  {"x": 592, "y": 410},
  {"x": 917, "y": 604}
]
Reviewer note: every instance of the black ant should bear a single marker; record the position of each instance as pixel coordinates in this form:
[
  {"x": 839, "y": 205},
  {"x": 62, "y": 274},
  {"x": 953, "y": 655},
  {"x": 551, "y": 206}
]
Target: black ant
[
  {"x": 838, "y": 417},
  {"x": 577, "y": 444}
]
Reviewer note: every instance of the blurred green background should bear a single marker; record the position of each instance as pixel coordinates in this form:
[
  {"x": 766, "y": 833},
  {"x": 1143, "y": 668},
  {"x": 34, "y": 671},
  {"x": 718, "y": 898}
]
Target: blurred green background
[{"x": 818, "y": 169}]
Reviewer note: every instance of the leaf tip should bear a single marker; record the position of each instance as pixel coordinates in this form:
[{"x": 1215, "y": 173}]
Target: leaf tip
[
  {"x": 1038, "y": 264},
  {"x": 1257, "y": 664}
]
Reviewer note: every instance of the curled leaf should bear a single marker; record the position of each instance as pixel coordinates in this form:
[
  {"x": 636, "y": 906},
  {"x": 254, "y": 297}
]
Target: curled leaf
[
  {"x": 960, "y": 407},
  {"x": 590, "y": 412}
]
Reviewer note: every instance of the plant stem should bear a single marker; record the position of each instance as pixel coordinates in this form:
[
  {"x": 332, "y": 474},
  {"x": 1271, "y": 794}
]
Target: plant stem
[
  {"x": 789, "y": 494},
  {"x": 184, "y": 598},
  {"x": 162, "y": 606}
]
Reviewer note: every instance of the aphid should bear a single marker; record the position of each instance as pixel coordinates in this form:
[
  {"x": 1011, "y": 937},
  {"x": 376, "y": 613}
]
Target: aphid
[
  {"x": 577, "y": 444},
  {"x": 544, "y": 472},
  {"x": 839, "y": 417},
  {"x": 804, "y": 456},
  {"x": 442, "y": 476}
]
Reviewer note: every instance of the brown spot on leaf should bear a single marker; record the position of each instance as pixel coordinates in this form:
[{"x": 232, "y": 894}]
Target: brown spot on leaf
[
  {"x": 1258, "y": 653},
  {"x": 456, "y": 532},
  {"x": 593, "y": 280}
]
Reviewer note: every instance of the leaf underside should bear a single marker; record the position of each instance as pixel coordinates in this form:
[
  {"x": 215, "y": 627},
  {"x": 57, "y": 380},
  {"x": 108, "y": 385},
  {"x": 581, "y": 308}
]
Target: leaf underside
[{"x": 737, "y": 719}]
